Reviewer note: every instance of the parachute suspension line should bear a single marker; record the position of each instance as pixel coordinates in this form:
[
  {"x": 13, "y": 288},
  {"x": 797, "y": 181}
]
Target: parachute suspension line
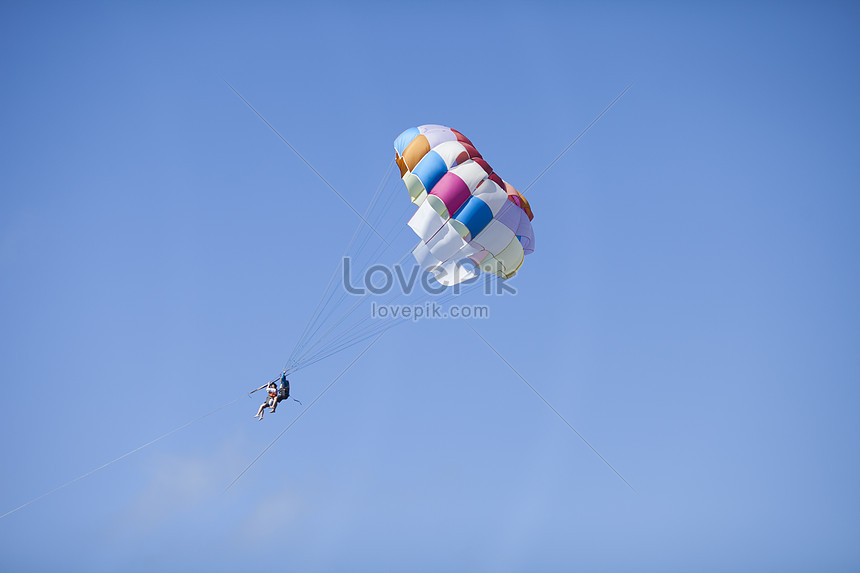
[
  {"x": 311, "y": 341},
  {"x": 337, "y": 342},
  {"x": 397, "y": 224},
  {"x": 320, "y": 304},
  {"x": 382, "y": 326},
  {"x": 345, "y": 314},
  {"x": 359, "y": 267},
  {"x": 380, "y": 250},
  {"x": 326, "y": 308},
  {"x": 331, "y": 350},
  {"x": 321, "y": 323},
  {"x": 348, "y": 337},
  {"x": 329, "y": 291},
  {"x": 125, "y": 455},
  {"x": 355, "y": 338},
  {"x": 379, "y": 332},
  {"x": 358, "y": 332},
  {"x": 302, "y": 413},
  {"x": 322, "y": 338}
]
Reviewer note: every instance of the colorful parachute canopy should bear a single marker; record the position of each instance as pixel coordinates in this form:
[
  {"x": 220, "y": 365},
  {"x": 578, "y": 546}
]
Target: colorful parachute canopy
[{"x": 468, "y": 218}]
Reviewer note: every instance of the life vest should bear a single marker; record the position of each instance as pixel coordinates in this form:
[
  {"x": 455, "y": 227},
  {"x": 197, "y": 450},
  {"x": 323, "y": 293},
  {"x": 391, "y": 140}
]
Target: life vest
[{"x": 284, "y": 390}]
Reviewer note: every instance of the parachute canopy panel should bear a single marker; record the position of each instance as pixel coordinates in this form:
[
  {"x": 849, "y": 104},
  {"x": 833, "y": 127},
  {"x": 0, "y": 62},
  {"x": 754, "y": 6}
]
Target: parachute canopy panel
[{"x": 466, "y": 212}]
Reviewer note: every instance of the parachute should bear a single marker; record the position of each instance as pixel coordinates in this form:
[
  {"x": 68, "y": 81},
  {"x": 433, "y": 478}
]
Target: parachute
[{"x": 468, "y": 218}]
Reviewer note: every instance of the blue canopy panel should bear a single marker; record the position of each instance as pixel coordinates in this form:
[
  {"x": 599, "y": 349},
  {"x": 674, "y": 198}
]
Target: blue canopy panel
[
  {"x": 430, "y": 169},
  {"x": 475, "y": 214}
]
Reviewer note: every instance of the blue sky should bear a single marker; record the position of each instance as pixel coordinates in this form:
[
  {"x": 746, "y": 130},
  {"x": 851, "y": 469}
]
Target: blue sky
[{"x": 691, "y": 307}]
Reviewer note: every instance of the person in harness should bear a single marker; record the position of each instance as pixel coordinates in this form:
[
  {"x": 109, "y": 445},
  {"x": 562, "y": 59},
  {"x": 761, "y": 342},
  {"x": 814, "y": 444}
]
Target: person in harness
[
  {"x": 271, "y": 398},
  {"x": 274, "y": 394},
  {"x": 283, "y": 391}
]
